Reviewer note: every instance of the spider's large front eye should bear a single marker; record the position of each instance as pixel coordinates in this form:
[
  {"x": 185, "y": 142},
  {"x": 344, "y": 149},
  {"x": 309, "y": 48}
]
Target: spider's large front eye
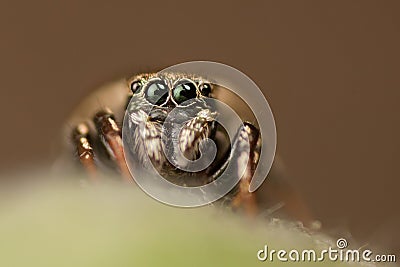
[
  {"x": 183, "y": 91},
  {"x": 157, "y": 92}
]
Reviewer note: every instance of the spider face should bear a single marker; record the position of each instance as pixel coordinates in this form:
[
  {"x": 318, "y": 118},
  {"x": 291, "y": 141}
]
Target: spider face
[{"x": 154, "y": 97}]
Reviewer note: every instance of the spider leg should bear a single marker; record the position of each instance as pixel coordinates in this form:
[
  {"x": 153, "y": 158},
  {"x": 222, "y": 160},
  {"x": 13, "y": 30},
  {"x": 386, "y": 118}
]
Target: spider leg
[
  {"x": 84, "y": 149},
  {"x": 279, "y": 190},
  {"x": 110, "y": 136},
  {"x": 246, "y": 145},
  {"x": 249, "y": 135}
]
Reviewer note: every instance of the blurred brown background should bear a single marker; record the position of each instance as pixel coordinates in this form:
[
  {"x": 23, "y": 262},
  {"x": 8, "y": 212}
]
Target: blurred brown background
[{"x": 328, "y": 68}]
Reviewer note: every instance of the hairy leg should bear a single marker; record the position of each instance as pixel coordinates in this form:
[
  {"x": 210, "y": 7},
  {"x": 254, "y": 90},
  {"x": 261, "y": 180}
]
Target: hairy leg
[
  {"x": 246, "y": 145},
  {"x": 110, "y": 136},
  {"x": 248, "y": 137},
  {"x": 84, "y": 149}
]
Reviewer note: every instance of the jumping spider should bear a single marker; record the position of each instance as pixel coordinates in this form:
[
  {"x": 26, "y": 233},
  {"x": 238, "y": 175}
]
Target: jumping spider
[{"x": 97, "y": 142}]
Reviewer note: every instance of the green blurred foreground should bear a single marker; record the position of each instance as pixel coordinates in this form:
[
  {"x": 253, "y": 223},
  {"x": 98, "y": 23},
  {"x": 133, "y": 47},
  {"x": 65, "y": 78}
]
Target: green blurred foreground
[{"x": 117, "y": 225}]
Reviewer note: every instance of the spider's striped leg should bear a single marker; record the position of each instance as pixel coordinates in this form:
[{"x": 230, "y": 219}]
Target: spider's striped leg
[
  {"x": 110, "y": 136},
  {"x": 248, "y": 136},
  {"x": 246, "y": 146},
  {"x": 84, "y": 149}
]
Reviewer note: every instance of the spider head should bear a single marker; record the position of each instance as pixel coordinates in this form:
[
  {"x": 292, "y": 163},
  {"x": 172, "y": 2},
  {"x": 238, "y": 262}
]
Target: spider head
[{"x": 179, "y": 97}]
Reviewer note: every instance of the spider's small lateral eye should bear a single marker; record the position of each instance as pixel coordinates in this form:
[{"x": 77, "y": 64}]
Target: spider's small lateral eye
[
  {"x": 136, "y": 85},
  {"x": 157, "y": 92},
  {"x": 205, "y": 89},
  {"x": 183, "y": 91}
]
